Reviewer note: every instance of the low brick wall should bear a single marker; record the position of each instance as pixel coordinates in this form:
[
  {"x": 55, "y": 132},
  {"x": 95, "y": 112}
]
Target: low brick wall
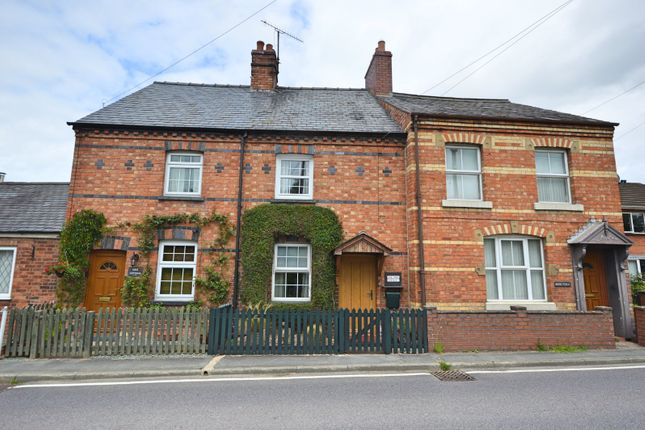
[
  {"x": 639, "y": 317},
  {"x": 519, "y": 330}
]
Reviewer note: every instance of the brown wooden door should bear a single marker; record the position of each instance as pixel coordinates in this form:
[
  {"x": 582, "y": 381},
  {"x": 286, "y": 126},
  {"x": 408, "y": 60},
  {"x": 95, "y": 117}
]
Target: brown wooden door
[
  {"x": 596, "y": 293},
  {"x": 107, "y": 273},
  {"x": 357, "y": 289}
]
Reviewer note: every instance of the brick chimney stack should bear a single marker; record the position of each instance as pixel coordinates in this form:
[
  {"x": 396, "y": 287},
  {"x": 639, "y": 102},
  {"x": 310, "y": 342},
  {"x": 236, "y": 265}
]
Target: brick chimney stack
[
  {"x": 378, "y": 79},
  {"x": 264, "y": 67}
]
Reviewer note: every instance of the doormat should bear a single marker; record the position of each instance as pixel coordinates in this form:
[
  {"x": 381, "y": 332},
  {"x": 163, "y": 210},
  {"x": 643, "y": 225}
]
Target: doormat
[{"x": 452, "y": 376}]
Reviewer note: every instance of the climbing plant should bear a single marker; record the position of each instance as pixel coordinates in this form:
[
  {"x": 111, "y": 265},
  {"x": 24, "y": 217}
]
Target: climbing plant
[
  {"x": 136, "y": 291},
  {"x": 263, "y": 225},
  {"x": 77, "y": 239}
]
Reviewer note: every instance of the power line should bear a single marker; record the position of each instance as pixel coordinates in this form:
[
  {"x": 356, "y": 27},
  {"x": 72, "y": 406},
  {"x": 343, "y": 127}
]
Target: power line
[
  {"x": 535, "y": 26},
  {"x": 630, "y": 130},
  {"x": 193, "y": 52},
  {"x": 518, "y": 34},
  {"x": 614, "y": 98}
]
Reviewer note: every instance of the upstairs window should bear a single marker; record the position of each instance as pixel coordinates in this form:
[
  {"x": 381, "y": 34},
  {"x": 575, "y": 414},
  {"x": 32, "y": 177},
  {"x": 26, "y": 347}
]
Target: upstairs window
[
  {"x": 7, "y": 266},
  {"x": 633, "y": 222},
  {"x": 292, "y": 273},
  {"x": 463, "y": 173},
  {"x": 176, "y": 271},
  {"x": 183, "y": 174},
  {"x": 552, "y": 174},
  {"x": 514, "y": 268},
  {"x": 294, "y": 177}
]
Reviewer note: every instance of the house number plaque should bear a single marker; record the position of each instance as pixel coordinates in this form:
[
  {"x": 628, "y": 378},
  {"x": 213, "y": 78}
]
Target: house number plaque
[
  {"x": 134, "y": 271},
  {"x": 562, "y": 284}
]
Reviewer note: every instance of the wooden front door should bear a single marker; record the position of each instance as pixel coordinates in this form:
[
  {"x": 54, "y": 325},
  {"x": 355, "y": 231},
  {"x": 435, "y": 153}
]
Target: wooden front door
[
  {"x": 357, "y": 288},
  {"x": 596, "y": 293},
  {"x": 107, "y": 273}
]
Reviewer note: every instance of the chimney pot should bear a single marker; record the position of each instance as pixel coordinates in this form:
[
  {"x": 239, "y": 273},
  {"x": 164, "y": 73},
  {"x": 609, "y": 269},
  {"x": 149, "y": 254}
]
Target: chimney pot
[
  {"x": 269, "y": 47},
  {"x": 381, "y": 46},
  {"x": 2, "y": 176},
  {"x": 260, "y": 45}
]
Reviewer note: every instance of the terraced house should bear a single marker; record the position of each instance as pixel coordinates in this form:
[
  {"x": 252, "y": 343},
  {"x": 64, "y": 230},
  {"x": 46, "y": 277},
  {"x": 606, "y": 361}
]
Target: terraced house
[{"x": 468, "y": 204}]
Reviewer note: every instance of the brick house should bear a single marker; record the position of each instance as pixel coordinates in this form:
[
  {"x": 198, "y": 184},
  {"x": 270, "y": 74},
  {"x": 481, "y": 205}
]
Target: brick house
[
  {"x": 31, "y": 218},
  {"x": 632, "y": 200},
  {"x": 478, "y": 204}
]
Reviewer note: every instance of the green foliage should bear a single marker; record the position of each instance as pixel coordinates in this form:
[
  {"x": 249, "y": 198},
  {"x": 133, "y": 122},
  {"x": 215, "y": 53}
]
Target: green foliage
[
  {"x": 540, "y": 346},
  {"x": 637, "y": 283},
  {"x": 137, "y": 291},
  {"x": 438, "y": 347},
  {"x": 561, "y": 348},
  {"x": 214, "y": 285},
  {"x": 263, "y": 225},
  {"x": 444, "y": 366},
  {"x": 134, "y": 293},
  {"x": 77, "y": 240}
]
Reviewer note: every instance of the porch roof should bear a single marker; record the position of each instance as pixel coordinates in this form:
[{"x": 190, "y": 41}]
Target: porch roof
[
  {"x": 599, "y": 233},
  {"x": 362, "y": 243}
]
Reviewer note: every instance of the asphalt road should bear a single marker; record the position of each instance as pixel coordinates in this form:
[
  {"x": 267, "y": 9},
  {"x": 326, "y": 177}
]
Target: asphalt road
[{"x": 600, "y": 399}]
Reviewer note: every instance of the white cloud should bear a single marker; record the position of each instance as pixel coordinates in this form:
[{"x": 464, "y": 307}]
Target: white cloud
[{"x": 61, "y": 60}]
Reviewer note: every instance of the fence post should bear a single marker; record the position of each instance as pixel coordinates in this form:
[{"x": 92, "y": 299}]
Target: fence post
[
  {"x": 212, "y": 349},
  {"x": 35, "y": 328},
  {"x": 88, "y": 337},
  {"x": 387, "y": 331}
]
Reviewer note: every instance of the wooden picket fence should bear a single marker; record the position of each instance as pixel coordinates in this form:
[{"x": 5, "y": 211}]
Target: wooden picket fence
[
  {"x": 234, "y": 331},
  {"x": 49, "y": 332}
]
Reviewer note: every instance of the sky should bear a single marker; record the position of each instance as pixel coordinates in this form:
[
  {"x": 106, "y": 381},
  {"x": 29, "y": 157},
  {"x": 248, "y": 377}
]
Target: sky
[{"x": 61, "y": 60}]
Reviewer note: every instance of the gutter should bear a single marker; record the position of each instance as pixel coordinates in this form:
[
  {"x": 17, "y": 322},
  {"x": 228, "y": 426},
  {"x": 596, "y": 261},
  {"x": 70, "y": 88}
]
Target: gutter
[
  {"x": 238, "y": 227},
  {"x": 417, "y": 197}
]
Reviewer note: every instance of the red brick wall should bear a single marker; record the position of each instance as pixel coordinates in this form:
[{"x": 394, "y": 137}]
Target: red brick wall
[
  {"x": 519, "y": 330},
  {"x": 373, "y": 202},
  {"x": 31, "y": 285},
  {"x": 639, "y": 316}
]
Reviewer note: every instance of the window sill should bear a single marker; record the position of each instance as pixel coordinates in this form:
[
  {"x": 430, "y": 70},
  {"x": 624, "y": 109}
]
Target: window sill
[
  {"x": 274, "y": 300},
  {"x": 505, "y": 305},
  {"x": 474, "y": 204},
  {"x": 294, "y": 201},
  {"x": 182, "y": 198},
  {"x": 548, "y": 206},
  {"x": 173, "y": 301}
]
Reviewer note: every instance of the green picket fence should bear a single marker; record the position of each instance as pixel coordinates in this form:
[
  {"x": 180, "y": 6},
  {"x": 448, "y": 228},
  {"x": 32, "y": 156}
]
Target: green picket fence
[
  {"x": 234, "y": 331},
  {"x": 49, "y": 332}
]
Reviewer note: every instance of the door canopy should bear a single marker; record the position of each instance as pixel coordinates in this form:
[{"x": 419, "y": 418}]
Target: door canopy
[
  {"x": 362, "y": 243},
  {"x": 599, "y": 233}
]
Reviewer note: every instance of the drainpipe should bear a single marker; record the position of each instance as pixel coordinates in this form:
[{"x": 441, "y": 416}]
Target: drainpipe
[
  {"x": 417, "y": 196},
  {"x": 238, "y": 224}
]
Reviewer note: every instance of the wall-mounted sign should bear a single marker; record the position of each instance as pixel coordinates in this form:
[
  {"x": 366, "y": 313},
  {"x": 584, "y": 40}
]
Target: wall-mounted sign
[
  {"x": 562, "y": 284},
  {"x": 134, "y": 271},
  {"x": 393, "y": 279}
]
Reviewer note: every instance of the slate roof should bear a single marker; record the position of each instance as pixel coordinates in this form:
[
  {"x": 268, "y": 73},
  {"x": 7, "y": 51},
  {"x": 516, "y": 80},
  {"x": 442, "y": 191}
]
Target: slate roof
[
  {"x": 493, "y": 109},
  {"x": 177, "y": 105},
  {"x": 32, "y": 207},
  {"x": 632, "y": 195}
]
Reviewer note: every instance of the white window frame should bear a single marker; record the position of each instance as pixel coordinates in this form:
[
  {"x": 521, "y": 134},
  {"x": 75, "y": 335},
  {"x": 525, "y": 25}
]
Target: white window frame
[
  {"x": 477, "y": 173},
  {"x": 175, "y": 264},
  {"x": 636, "y": 259},
  {"x": 527, "y": 268},
  {"x": 170, "y": 164},
  {"x": 554, "y": 175},
  {"x": 7, "y": 295},
  {"x": 278, "y": 175},
  {"x": 290, "y": 270},
  {"x": 631, "y": 222}
]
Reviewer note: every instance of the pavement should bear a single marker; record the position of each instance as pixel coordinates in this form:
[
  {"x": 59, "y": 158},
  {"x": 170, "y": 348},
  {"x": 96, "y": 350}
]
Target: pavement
[{"x": 19, "y": 370}]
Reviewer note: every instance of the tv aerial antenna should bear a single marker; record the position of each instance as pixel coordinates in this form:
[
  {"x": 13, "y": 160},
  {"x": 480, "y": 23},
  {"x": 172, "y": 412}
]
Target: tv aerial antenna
[{"x": 278, "y": 32}]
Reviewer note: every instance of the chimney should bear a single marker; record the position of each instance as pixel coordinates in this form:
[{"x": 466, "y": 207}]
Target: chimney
[
  {"x": 264, "y": 67},
  {"x": 378, "y": 79},
  {"x": 2, "y": 176}
]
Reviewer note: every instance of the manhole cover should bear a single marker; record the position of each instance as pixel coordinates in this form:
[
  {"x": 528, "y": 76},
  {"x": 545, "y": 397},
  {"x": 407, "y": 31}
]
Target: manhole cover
[{"x": 452, "y": 375}]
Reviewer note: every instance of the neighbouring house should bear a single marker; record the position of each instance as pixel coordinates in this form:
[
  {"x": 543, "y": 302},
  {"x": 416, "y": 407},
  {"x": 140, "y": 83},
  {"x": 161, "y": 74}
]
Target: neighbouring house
[
  {"x": 468, "y": 204},
  {"x": 632, "y": 199},
  {"x": 32, "y": 215}
]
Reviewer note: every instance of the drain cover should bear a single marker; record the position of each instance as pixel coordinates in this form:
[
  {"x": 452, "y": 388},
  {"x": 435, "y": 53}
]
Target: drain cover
[{"x": 452, "y": 375}]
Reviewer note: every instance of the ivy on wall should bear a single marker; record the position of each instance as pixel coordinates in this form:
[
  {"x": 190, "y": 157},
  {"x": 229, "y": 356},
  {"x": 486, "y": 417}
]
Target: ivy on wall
[
  {"x": 137, "y": 291},
  {"x": 77, "y": 239},
  {"x": 266, "y": 224}
]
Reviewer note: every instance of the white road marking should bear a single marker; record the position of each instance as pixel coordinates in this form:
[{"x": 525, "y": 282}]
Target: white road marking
[
  {"x": 555, "y": 369},
  {"x": 256, "y": 378}
]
